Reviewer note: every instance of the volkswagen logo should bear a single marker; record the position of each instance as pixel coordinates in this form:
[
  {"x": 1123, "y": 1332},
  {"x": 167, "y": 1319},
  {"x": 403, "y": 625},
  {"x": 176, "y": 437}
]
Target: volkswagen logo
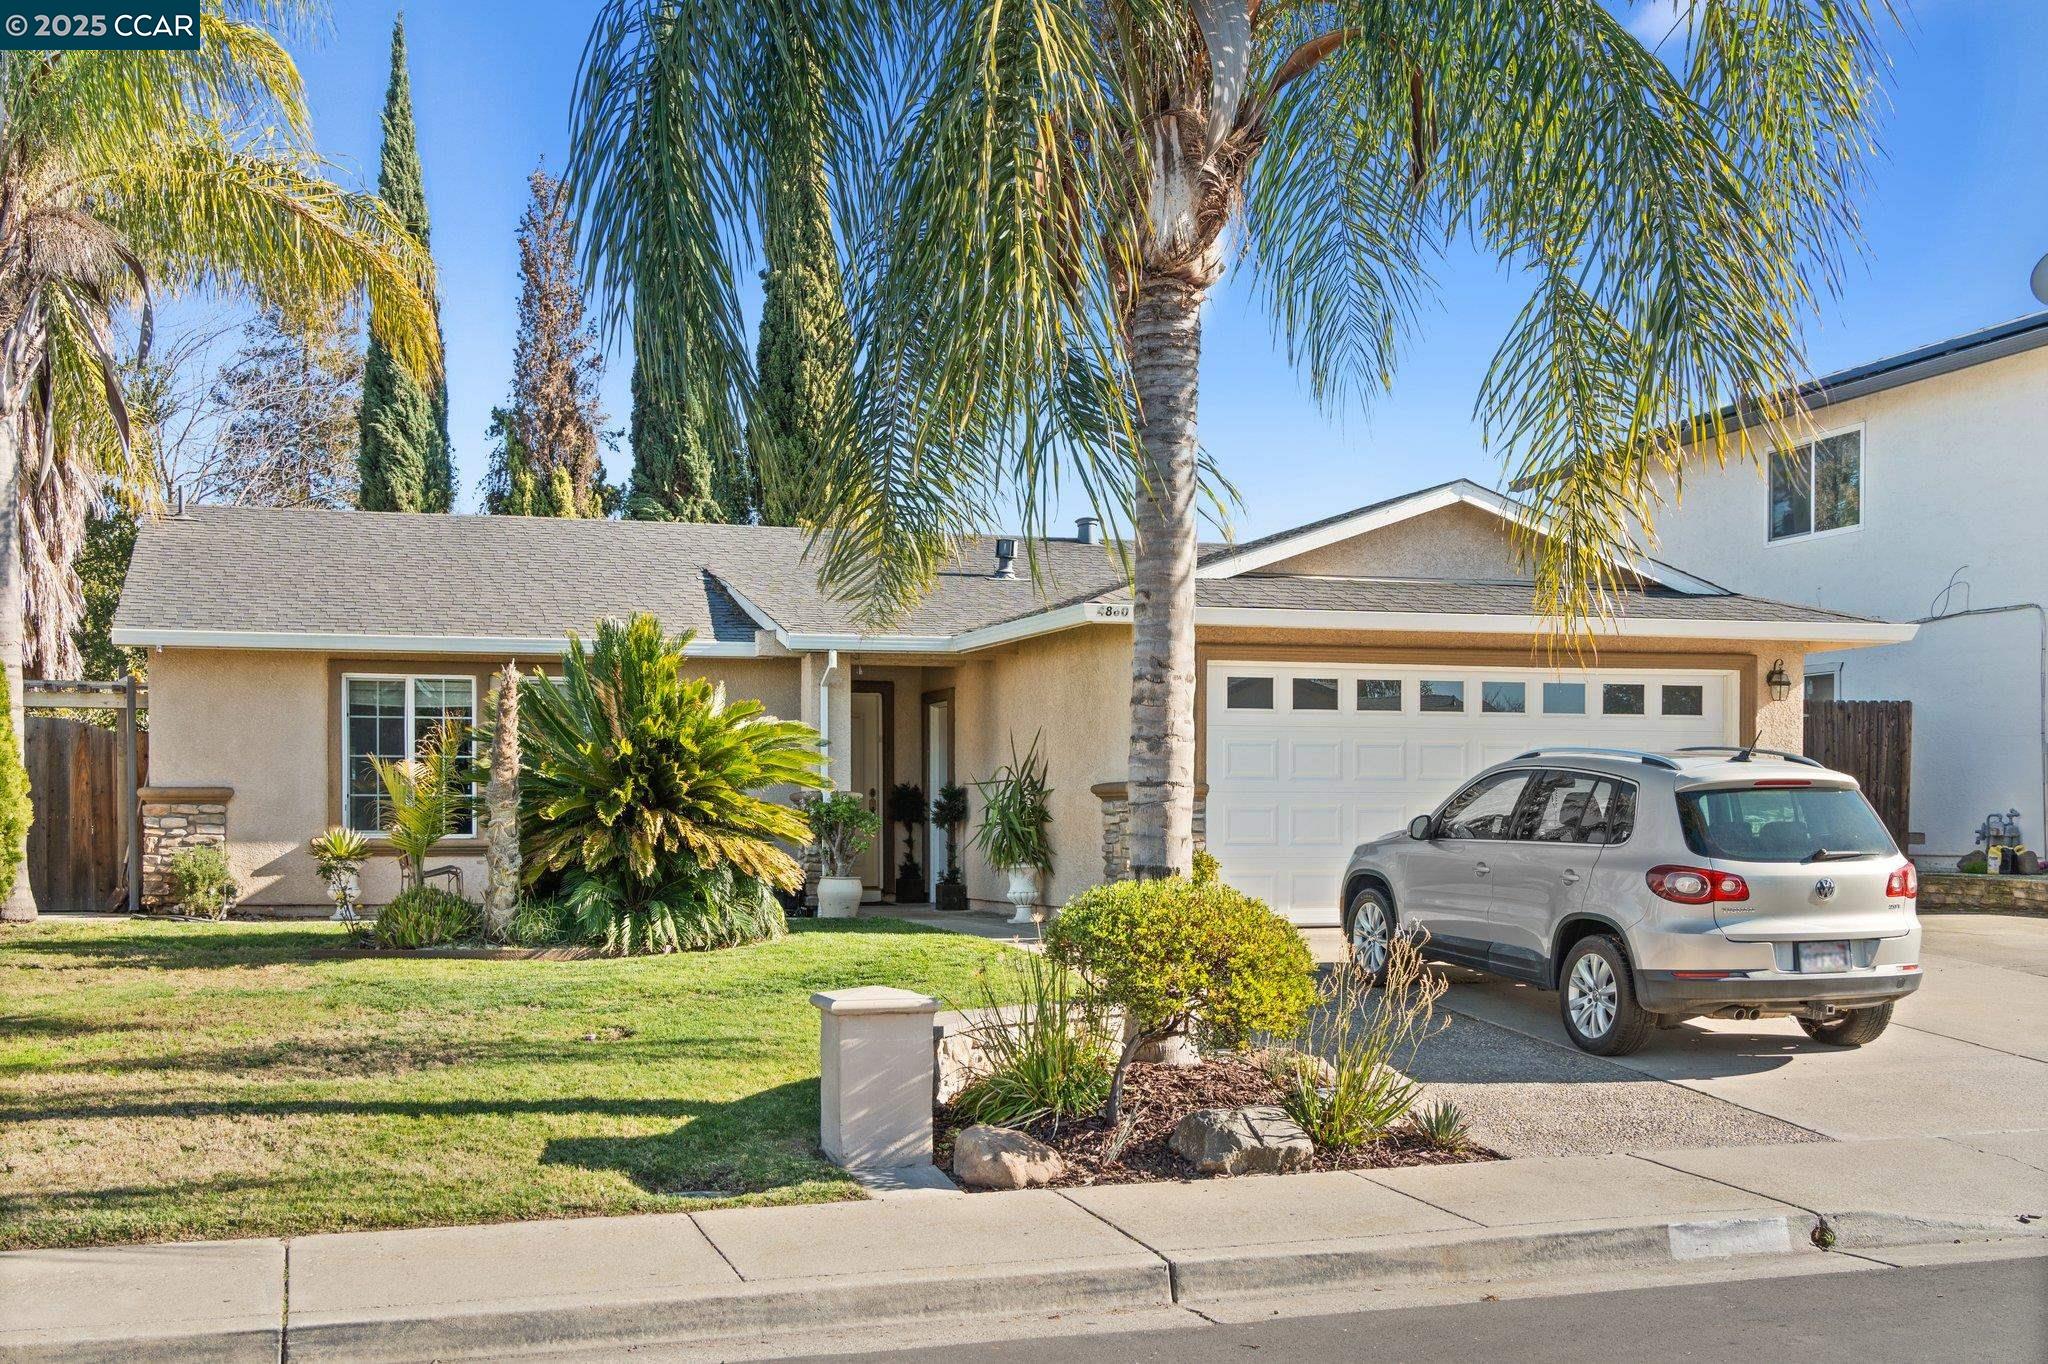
[{"x": 1824, "y": 889}]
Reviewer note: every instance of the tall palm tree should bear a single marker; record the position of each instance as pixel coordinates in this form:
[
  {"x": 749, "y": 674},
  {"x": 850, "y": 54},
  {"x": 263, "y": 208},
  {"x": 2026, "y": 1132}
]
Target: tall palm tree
[
  {"x": 123, "y": 173},
  {"x": 1039, "y": 195}
]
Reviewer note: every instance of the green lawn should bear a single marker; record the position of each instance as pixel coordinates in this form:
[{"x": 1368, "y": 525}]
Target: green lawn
[{"x": 165, "y": 1081}]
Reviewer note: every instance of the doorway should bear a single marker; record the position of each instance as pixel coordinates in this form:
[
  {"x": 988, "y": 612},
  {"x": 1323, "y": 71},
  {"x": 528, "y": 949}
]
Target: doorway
[
  {"x": 938, "y": 772},
  {"x": 874, "y": 744}
]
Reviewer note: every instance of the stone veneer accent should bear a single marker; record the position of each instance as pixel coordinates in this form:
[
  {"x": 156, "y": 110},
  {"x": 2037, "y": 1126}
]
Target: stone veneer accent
[
  {"x": 175, "y": 818},
  {"x": 1115, "y": 798}
]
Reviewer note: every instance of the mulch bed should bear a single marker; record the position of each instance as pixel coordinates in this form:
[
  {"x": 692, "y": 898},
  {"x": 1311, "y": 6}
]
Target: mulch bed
[{"x": 1156, "y": 1098}]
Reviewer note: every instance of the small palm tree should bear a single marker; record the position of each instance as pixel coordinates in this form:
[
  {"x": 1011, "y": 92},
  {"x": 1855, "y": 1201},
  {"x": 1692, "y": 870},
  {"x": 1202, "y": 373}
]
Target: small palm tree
[
  {"x": 1040, "y": 196},
  {"x": 122, "y": 173},
  {"x": 429, "y": 795}
]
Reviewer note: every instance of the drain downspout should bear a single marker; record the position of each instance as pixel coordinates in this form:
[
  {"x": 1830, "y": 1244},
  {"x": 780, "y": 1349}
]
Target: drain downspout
[{"x": 825, "y": 708}]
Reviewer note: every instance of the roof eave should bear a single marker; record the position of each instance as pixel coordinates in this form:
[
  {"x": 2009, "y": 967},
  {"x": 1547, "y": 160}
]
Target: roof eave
[{"x": 163, "y": 637}]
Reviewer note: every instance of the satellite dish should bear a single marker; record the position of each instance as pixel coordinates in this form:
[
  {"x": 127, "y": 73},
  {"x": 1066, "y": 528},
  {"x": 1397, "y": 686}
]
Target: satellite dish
[{"x": 2039, "y": 279}]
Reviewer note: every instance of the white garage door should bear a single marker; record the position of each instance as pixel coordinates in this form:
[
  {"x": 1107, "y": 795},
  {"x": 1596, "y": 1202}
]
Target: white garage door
[{"x": 1306, "y": 761}]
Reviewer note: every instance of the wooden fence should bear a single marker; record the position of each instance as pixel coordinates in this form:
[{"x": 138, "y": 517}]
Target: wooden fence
[
  {"x": 77, "y": 847},
  {"x": 1873, "y": 742}
]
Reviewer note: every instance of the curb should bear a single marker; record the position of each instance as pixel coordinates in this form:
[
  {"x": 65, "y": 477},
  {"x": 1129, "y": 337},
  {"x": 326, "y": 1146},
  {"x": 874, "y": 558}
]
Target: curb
[
  {"x": 482, "y": 1332},
  {"x": 263, "y": 1345}
]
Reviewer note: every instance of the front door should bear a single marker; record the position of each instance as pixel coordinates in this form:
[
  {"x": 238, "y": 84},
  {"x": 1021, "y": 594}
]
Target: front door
[{"x": 869, "y": 778}]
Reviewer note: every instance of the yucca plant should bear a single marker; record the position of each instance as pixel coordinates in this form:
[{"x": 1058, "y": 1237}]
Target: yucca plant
[
  {"x": 429, "y": 794},
  {"x": 643, "y": 784},
  {"x": 1442, "y": 1125},
  {"x": 1366, "y": 1035},
  {"x": 1016, "y": 805}
]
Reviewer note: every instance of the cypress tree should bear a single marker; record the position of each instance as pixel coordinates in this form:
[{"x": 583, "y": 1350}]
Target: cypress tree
[
  {"x": 804, "y": 350},
  {"x": 672, "y": 474},
  {"x": 405, "y": 461}
]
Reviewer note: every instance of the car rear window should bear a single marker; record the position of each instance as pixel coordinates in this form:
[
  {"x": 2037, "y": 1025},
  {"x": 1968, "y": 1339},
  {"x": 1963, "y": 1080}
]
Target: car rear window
[{"x": 1781, "y": 824}]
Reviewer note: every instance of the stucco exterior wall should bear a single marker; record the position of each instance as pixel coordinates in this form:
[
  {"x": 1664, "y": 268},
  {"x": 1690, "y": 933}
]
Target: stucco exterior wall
[
  {"x": 1453, "y": 542},
  {"x": 263, "y": 723},
  {"x": 1955, "y": 471}
]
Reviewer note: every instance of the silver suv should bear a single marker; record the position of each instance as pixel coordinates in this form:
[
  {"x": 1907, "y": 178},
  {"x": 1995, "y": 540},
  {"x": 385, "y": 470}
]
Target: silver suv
[{"x": 1647, "y": 888}]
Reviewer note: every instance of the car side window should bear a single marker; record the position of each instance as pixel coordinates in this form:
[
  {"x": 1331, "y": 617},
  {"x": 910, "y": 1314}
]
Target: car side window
[
  {"x": 1611, "y": 816},
  {"x": 1560, "y": 807},
  {"x": 1485, "y": 809}
]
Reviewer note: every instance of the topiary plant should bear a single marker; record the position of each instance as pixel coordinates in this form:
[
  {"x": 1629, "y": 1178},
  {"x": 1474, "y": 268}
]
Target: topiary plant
[{"x": 1178, "y": 955}]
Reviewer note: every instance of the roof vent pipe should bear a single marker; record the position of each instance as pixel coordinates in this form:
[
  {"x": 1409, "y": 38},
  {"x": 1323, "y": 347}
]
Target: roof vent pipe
[
  {"x": 1006, "y": 555},
  {"x": 1085, "y": 528}
]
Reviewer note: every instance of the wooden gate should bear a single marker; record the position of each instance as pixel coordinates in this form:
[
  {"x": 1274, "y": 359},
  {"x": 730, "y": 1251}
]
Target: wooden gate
[
  {"x": 78, "y": 846},
  {"x": 1873, "y": 742}
]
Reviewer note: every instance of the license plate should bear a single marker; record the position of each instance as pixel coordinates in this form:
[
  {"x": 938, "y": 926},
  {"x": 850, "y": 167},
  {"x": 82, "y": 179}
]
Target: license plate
[{"x": 1823, "y": 956}]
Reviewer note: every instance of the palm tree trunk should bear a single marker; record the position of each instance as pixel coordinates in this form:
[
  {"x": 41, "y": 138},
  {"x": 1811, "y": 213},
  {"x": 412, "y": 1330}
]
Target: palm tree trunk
[
  {"x": 15, "y": 369},
  {"x": 1166, "y": 354}
]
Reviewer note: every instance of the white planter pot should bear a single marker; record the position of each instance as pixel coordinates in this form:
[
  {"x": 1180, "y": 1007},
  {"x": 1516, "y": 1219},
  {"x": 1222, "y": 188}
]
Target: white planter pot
[
  {"x": 1024, "y": 894},
  {"x": 838, "y": 896}
]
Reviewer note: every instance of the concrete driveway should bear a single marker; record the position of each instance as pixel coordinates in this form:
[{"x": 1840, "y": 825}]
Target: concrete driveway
[{"x": 1966, "y": 1058}]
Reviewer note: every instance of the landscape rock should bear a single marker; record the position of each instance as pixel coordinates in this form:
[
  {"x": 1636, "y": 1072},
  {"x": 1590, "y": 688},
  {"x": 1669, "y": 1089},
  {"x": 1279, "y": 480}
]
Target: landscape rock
[
  {"x": 1004, "y": 1158},
  {"x": 1260, "y": 1140}
]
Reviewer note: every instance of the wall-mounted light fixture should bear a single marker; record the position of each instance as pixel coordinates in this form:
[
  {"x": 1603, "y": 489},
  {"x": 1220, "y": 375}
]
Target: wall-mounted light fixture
[{"x": 1779, "y": 681}]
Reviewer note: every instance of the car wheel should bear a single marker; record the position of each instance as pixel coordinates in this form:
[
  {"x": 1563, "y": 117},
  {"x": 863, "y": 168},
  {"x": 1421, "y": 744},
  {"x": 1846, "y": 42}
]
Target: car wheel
[
  {"x": 1369, "y": 927},
  {"x": 1851, "y": 1029},
  {"x": 1597, "y": 997}
]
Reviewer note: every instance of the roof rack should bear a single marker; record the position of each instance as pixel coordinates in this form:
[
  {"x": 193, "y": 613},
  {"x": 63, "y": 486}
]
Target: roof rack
[
  {"x": 1744, "y": 752},
  {"x": 1647, "y": 759}
]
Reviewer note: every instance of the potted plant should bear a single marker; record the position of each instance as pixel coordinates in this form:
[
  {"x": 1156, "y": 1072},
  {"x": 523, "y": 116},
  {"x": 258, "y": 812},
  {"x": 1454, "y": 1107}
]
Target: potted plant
[
  {"x": 842, "y": 827},
  {"x": 949, "y": 812},
  {"x": 1015, "y": 808},
  {"x": 906, "y": 807},
  {"x": 340, "y": 854}
]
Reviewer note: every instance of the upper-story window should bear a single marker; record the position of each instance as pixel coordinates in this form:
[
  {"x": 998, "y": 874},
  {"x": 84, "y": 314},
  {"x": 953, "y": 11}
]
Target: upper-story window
[{"x": 1817, "y": 486}]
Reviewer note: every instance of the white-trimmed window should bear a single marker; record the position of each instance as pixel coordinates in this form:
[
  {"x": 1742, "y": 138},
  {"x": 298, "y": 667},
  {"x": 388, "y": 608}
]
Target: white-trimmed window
[
  {"x": 386, "y": 715},
  {"x": 1817, "y": 487}
]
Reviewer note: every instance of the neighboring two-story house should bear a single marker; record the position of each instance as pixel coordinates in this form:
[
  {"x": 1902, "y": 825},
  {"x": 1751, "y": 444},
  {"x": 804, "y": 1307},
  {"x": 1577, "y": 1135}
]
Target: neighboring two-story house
[{"x": 1916, "y": 489}]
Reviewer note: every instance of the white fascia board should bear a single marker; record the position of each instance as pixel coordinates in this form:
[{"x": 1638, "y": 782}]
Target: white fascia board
[
  {"x": 1421, "y": 504},
  {"x": 762, "y": 620},
  {"x": 1833, "y": 632},
  {"x": 489, "y": 645}
]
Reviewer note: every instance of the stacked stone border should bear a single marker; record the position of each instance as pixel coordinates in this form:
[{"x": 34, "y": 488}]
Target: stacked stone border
[
  {"x": 1116, "y": 817},
  {"x": 175, "y": 818}
]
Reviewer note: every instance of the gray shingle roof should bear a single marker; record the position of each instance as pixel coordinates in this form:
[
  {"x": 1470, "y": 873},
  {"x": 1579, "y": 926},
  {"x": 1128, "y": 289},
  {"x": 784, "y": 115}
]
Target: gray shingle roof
[
  {"x": 331, "y": 572},
  {"x": 364, "y": 573}
]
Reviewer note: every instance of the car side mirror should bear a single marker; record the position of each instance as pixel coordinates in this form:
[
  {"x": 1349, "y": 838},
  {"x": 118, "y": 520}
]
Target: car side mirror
[{"x": 1420, "y": 826}]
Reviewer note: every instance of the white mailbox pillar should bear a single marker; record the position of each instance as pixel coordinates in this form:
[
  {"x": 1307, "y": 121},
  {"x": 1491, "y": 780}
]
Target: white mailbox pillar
[{"x": 875, "y": 1063}]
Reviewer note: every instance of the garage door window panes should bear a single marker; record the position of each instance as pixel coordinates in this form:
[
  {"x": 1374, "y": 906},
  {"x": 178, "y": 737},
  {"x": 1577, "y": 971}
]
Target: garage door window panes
[
  {"x": 1564, "y": 698},
  {"x": 1249, "y": 693},
  {"x": 1621, "y": 698},
  {"x": 1443, "y": 698},
  {"x": 1315, "y": 693},
  {"x": 1690, "y": 699},
  {"x": 1503, "y": 698},
  {"x": 1379, "y": 693}
]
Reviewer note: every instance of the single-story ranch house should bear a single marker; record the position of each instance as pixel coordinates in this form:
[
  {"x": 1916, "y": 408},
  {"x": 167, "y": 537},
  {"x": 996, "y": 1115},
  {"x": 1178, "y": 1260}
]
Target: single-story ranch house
[{"x": 1350, "y": 673}]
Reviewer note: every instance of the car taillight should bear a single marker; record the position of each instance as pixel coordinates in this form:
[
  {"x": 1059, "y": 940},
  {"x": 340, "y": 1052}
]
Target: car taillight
[
  {"x": 1696, "y": 885},
  {"x": 1903, "y": 884}
]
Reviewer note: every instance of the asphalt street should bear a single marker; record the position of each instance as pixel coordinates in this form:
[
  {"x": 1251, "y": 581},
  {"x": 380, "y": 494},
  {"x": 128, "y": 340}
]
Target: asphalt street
[{"x": 1984, "y": 1311}]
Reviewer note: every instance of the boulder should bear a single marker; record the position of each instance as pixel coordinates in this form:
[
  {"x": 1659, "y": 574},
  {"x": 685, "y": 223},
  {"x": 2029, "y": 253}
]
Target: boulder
[
  {"x": 1004, "y": 1158},
  {"x": 1261, "y": 1140}
]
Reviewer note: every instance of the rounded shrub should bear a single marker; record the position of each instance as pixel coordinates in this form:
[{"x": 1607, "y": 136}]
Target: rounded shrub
[
  {"x": 1179, "y": 955},
  {"x": 426, "y": 916}
]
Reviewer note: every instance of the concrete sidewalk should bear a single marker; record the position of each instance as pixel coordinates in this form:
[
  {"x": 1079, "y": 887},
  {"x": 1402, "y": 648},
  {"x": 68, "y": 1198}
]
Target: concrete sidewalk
[{"x": 611, "y": 1283}]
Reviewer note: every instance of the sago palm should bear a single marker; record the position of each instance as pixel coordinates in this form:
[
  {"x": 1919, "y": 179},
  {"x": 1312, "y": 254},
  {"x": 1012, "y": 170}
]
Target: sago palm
[
  {"x": 636, "y": 769},
  {"x": 1037, "y": 196},
  {"x": 127, "y": 173}
]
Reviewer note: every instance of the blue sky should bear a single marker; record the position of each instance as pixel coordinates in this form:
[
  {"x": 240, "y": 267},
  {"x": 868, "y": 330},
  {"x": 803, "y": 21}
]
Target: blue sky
[{"x": 1955, "y": 217}]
